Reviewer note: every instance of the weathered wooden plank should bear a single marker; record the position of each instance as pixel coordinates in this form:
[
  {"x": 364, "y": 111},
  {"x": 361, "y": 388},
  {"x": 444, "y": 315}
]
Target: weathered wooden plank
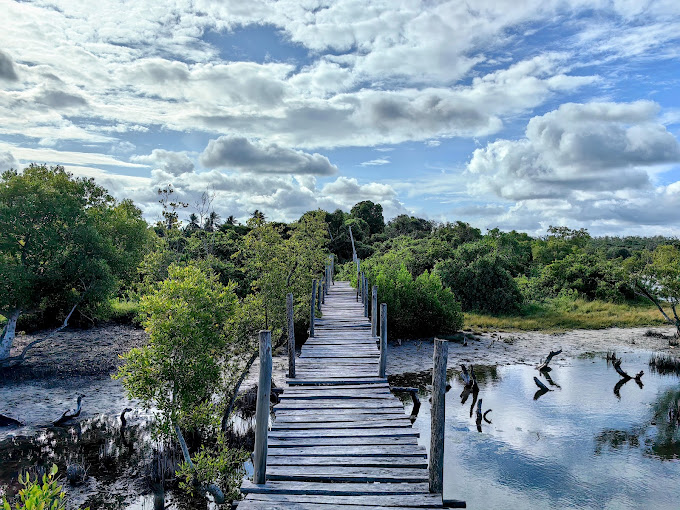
[
  {"x": 396, "y": 462},
  {"x": 250, "y": 504},
  {"x": 400, "y": 451},
  {"x": 339, "y": 474},
  {"x": 334, "y": 489},
  {"x": 335, "y": 432},
  {"x": 403, "y": 501},
  {"x": 340, "y": 441},
  {"x": 354, "y": 424}
]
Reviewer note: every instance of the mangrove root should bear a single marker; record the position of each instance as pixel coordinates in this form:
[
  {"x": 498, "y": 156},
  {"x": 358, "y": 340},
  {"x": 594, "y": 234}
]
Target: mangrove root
[
  {"x": 70, "y": 414},
  {"x": 543, "y": 367},
  {"x": 622, "y": 373},
  {"x": 540, "y": 384}
]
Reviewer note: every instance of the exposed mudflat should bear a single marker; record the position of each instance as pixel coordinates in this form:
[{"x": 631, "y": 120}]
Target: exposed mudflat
[{"x": 74, "y": 353}]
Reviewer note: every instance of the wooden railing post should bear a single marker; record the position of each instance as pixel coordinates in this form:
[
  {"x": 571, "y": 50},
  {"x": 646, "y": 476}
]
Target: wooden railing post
[
  {"x": 358, "y": 279},
  {"x": 382, "y": 367},
  {"x": 291, "y": 335},
  {"x": 366, "y": 298},
  {"x": 318, "y": 296},
  {"x": 264, "y": 389},
  {"x": 332, "y": 269},
  {"x": 374, "y": 311},
  {"x": 323, "y": 293},
  {"x": 311, "y": 319},
  {"x": 441, "y": 354}
]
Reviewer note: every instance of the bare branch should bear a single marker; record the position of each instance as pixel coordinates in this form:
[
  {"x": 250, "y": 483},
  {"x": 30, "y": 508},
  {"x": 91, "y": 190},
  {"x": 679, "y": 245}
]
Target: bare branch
[
  {"x": 649, "y": 296},
  {"x": 15, "y": 360}
]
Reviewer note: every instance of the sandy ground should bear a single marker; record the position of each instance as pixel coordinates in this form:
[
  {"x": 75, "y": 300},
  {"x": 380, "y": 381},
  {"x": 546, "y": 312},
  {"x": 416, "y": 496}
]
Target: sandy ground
[{"x": 82, "y": 361}]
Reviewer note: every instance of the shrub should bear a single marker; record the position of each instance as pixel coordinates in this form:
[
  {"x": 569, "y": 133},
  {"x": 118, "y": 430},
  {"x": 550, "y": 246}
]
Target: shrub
[
  {"x": 34, "y": 495},
  {"x": 419, "y": 307},
  {"x": 483, "y": 285}
]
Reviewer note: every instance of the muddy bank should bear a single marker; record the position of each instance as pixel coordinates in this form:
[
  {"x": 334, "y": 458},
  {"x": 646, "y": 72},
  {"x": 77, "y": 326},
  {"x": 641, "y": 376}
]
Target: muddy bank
[
  {"x": 75, "y": 353},
  {"x": 528, "y": 348}
]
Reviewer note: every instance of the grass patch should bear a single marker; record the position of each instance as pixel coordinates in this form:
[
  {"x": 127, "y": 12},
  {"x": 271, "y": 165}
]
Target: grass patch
[
  {"x": 123, "y": 312},
  {"x": 562, "y": 315}
]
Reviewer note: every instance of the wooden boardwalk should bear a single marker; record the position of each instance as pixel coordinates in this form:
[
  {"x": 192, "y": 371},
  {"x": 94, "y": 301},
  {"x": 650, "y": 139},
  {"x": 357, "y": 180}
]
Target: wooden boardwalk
[{"x": 340, "y": 439}]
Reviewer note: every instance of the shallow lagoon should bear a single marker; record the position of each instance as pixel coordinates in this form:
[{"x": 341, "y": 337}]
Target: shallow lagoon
[{"x": 578, "y": 447}]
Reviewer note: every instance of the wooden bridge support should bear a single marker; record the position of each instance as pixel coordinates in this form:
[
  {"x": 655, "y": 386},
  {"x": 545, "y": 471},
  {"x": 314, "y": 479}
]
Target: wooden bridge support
[
  {"x": 262, "y": 408},
  {"x": 312, "y": 311},
  {"x": 440, "y": 358},
  {"x": 374, "y": 311},
  {"x": 291, "y": 334}
]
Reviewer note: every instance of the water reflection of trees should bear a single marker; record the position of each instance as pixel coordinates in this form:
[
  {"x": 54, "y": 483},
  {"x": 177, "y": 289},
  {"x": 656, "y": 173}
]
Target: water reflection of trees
[{"x": 660, "y": 435}]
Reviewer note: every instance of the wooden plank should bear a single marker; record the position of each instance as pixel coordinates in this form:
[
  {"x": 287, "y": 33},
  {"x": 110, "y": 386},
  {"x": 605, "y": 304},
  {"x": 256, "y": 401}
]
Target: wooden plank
[
  {"x": 383, "y": 501},
  {"x": 334, "y": 489},
  {"x": 339, "y": 474},
  {"x": 336, "y": 432},
  {"x": 400, "y": 451},
  {"x": 396, "y": 462},
  {"x": 354, "y": 424},
  {"x": 306, "y": 442}
]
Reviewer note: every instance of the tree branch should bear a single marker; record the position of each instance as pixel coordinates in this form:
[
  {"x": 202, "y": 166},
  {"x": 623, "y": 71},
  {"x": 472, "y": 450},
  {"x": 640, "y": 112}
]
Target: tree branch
[
  {"x": 649, "y": 296},
  {"x": 15, "y": 360}
]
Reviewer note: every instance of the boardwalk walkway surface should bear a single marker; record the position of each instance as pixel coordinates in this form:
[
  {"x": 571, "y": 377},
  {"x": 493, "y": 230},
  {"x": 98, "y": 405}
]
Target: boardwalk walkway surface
[{"x": 340, "y": 439}]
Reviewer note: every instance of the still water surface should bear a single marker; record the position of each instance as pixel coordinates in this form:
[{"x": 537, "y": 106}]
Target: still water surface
[{"x": 577, "y": 447}]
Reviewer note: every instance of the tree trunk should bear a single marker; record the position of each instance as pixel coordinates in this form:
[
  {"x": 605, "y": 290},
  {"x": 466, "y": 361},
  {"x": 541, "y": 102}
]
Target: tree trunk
[{"x": 8, "y": 334}]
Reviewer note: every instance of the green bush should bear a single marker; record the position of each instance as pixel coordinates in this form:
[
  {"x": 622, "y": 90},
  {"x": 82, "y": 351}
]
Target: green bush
[
  {"x": 586, "y": 275},
  {"x": 419, "y": 307},
  {"x": 482, "y": 285},
  {"x": 34, "y": 495}
]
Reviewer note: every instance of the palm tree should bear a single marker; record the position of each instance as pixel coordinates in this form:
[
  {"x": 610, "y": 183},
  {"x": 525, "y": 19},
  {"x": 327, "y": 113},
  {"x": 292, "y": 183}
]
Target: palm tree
[
  {"x": 193, "y": 222},
  {"x": 231, "y": 220},
  {"x": 211, "y": 222},
  {"x": 258, "y": 215}
]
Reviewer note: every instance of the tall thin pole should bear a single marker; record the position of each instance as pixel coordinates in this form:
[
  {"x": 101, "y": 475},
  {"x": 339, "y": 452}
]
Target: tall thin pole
[
  {"x": 382, "y": 368},
  {"x": 440, "y": 358},
  {"x": 318, "y": 297},
  {"x": 366, "y": 299},
  {"x": 291, "y": 335},
  {"x": 311, "y": 318},
  {"x": 262, "y": 408},
  {"x": 374, "y": 311}
]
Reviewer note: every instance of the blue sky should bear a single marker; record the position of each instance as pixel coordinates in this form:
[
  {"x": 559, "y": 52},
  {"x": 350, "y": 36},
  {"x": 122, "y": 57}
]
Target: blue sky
[{"x": 510, "y": 115}]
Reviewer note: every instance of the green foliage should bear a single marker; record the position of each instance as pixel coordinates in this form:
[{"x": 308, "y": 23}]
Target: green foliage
[
  {"x": 217, "y": 464},
  {"x": 482, "y": 285},
  {"x": 65, "y": 241},
  {"x": 417, "y": 307},
  {"x": 405, "y": 225},
  {"x": 372, "y": 214},
  {"x": 586, "y": 275},
  {"x": 35, "y": 495},
  {"x": 187, "y": 318},
  {"x": 561, "y": 241}
]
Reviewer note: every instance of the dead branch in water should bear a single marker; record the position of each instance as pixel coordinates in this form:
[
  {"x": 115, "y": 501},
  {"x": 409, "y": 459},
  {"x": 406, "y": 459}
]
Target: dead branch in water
[
  {"x": 543, "y": 367},
  {"x": 69, "y": 414}
]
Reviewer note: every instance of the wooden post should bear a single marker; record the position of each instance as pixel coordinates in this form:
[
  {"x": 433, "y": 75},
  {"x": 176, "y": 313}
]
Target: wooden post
[
  {"x": 374, "y": 311},
  {"x": 382, "y": 367},
  {"x": 291, "y": 335},
  {"x": 264, "y": 389},
  {"x": 358, "y": 279},
  {"x": 318, "y": 297},
  {"x": 311, "y": 319},
  {"x": 441, "y": 354},
  {"x": 366, "y": 298},
  {"x": 332, "y": 269}
]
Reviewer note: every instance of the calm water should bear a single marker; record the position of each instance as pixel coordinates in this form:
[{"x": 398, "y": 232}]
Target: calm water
[{"x": 579, "y": 446}]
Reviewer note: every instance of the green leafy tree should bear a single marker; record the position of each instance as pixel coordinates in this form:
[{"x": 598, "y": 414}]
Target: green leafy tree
[
  {"x": 65, "y": 244},
  {"x": 483, "y": 284},
  {"x": 184, "y": 366},
  {"x": 372, "y": 214},
  {"x": 656, "y": 276}
]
